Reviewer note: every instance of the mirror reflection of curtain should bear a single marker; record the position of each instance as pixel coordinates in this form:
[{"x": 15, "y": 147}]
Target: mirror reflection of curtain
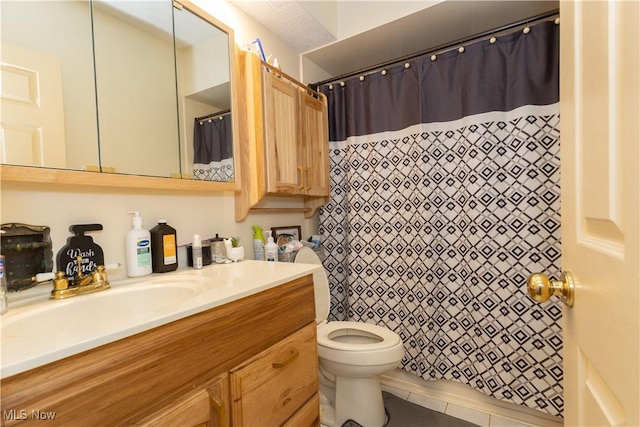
[{"x": 213, "y": 149}]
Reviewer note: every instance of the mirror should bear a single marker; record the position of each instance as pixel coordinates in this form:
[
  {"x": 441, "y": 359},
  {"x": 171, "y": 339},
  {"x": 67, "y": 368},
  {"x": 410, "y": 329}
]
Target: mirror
[
  {"x": 131, "y": 108},
  {"x": 48, "y": 97},
  {"x": 136, "y": 87},
  {"x": 204, "y": 97}
]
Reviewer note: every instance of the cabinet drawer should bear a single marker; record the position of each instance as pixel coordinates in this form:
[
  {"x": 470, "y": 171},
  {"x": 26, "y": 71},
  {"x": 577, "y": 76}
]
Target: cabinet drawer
[
  {"x": 270, "y": 387},
  {"x": 307, "y": 416}
]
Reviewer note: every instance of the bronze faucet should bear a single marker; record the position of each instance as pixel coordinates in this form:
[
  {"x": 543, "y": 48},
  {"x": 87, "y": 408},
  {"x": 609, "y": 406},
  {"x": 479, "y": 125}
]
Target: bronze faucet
[{"x": 80, "y": 283}]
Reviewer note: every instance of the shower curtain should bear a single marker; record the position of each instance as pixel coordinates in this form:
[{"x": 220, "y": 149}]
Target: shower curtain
[
  {"x": 444, "y": 198},
  {"x": 213, "y": 148}
]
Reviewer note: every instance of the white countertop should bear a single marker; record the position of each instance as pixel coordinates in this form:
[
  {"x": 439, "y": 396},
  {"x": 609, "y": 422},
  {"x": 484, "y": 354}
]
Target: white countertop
[{"x": 58, "y": 337}]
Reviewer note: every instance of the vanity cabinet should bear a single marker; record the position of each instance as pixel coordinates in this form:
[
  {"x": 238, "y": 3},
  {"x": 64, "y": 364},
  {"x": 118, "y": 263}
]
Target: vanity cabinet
[
  {"x": 252, "y": 361},
  {"x": 286, "y": 142},
  {"x": 205, "y": 407}
]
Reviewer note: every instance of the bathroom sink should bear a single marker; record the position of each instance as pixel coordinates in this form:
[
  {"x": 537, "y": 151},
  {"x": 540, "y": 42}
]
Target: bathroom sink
[
  {"x": 37, "y": 331},
  {"x": 86, "y": 316}
]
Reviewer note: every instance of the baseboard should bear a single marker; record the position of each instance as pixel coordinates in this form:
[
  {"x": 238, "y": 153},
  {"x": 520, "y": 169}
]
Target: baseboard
[{"x": 404, "y": 384}]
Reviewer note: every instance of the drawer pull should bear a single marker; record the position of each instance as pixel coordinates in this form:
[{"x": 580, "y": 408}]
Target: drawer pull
[{"x": 294, "y": 354}]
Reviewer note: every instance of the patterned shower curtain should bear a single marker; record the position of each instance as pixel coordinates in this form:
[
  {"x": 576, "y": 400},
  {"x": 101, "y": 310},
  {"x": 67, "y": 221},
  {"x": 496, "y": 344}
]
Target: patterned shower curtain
[
  {"x": 213, "y": 148},
  {"x": 444, "y": 198}
]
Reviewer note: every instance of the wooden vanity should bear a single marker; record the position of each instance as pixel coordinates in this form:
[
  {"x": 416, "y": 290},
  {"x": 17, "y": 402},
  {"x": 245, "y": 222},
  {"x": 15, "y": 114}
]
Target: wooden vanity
[{"x": 249, "y": 362}]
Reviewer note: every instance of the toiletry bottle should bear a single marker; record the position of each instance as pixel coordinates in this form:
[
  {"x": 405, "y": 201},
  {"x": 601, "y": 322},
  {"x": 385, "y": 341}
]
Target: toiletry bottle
[
  {"x": 138, "y": 249},
  {"x": 258, "y": 243},
  {"x": 271, "y": 249},
  {"x": 3, "y": 287},
  {"x": 196, "y": 252},
  {"x": 164, "y": 247}
]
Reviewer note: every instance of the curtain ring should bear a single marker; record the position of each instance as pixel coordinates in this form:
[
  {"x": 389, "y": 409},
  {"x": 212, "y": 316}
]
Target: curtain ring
[
  {"x": 557, "y": 21},
  {"x": 383, "y": 72},
  {"x": 492, "y": 40},
  {"x": 433, "y": 57},
  {"x": 341, "y": 84},
  {"x": 461, "y": 49},
  {"x": 526, "y": 30},
  {"x": 330, "y": 87},
  {"x": 407, "y": 65},
  {"x": 361, "y": 78}
]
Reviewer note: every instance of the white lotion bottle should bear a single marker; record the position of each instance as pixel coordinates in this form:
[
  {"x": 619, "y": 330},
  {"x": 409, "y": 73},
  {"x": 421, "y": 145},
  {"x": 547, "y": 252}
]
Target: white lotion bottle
[
  {"x": 270, "y": 249},
  {"x": 196, "y": 251},
  {"x": 138, "y": 249}
]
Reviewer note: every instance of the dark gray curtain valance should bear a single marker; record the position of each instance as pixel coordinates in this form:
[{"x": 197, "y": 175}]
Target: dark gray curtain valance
[{"x": 518, "y": 69}]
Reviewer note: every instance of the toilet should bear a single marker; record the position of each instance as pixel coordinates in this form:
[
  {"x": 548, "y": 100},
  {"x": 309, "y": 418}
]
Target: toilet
[{"x": 351, "y": 356}]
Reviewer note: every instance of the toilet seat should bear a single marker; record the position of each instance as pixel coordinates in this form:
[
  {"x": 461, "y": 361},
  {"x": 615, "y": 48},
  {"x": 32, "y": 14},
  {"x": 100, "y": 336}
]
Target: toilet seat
[{"x": 327, "y": 334}]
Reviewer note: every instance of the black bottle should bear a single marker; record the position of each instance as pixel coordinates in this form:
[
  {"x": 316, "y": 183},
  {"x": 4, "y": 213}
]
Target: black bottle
[{"x": 164, "y": 247}]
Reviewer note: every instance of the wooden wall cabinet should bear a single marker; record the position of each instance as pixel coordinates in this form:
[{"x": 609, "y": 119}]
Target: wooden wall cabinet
[
  {"x": 285, "y": 144},
  {"x": 251, "y": 362}
]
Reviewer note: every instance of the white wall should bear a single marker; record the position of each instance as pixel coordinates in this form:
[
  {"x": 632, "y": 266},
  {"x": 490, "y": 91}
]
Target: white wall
[
  {"x": 59, "y": 206},
  {"x": 355, "y": 17}
]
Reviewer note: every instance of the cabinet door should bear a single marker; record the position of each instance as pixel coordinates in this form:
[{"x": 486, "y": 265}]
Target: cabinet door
[
  {"x": 282, "y": 135},
  {"x": 205, "y": 407},
  {"x": 315, "y": 157}
]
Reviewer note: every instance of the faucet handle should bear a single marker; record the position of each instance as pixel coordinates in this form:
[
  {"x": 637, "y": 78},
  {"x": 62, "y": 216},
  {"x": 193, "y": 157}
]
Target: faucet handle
[
  {"x": 60, "y": 282},
  {"x": 79, "y": 266}
]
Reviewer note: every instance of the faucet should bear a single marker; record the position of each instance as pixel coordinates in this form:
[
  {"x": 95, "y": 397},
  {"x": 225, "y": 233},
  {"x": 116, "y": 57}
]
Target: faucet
[{"x": 79, "y": 284}]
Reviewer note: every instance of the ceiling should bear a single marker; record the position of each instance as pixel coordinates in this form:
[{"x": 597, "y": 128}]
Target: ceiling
[
  {"x": 435, "y": 25},
  {"x": 288, "y": 20}
]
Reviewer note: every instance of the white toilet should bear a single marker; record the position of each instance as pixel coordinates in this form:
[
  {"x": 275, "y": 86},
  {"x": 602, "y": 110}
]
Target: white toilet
[{"x": 352, "y": 355}]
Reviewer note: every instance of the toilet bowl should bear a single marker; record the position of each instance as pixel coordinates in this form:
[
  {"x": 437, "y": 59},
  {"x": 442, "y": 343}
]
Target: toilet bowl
[{"x": 352, "y": 355}]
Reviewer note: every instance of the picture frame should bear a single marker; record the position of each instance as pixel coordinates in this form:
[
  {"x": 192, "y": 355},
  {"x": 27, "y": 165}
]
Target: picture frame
[{"x": 283, "y": 235}]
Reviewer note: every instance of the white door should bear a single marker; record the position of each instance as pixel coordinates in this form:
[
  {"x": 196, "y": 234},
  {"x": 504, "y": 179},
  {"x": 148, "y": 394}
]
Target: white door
[
  {"x": 600, "y": 116},
  {"x": 32, "y": 121}
]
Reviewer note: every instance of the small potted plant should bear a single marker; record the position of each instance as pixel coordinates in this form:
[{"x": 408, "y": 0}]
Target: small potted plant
[{"x": 235, "y": 252}]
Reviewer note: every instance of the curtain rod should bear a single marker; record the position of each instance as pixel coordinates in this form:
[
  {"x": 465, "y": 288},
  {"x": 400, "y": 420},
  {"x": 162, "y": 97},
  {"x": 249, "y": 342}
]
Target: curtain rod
[
  {"x": 440, "y": 48},
  {"x": 212, "y": 115}
]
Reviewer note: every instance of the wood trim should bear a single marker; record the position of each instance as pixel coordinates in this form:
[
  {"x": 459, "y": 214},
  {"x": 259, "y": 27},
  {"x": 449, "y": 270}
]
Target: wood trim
[
  {"x": 9, "y": 173},
  {"x": 312, "y": 204},
  {"x": 280, "y": 210},
  {"x": 251, "y": 134},
  {"x": 130, "y": 379}
]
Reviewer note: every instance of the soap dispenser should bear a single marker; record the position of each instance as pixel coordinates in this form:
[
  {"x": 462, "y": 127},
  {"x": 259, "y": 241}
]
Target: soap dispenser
[
  {"x": 80, "y": 245},
  {"x": 271, "y": 248},
  {"x": 138, "y": 249}
]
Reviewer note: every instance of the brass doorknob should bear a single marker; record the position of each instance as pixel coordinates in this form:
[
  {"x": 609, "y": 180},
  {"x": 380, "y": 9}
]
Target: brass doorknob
[{"x": 541, "y": 288}]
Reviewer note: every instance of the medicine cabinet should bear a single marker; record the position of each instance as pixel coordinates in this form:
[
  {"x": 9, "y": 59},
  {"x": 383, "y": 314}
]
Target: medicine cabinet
[{"x": 107, "y": 92}]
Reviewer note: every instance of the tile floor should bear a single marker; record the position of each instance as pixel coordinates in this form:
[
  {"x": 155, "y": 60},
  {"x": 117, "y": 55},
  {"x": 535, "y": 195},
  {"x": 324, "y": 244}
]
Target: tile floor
[
  {"x": 472, "y": 416},
  {"x": 403, "y": 413}
]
